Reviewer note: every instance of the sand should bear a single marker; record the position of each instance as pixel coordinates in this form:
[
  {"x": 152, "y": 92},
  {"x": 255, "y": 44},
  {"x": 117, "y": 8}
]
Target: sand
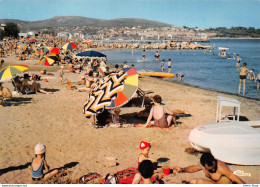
[{"x": 57, "y": 121}]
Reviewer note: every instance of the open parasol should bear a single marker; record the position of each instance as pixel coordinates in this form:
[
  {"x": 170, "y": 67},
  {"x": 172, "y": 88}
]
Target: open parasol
[
  {"x": 9, "y": 72},
  {"x": 114, "y": 90}
]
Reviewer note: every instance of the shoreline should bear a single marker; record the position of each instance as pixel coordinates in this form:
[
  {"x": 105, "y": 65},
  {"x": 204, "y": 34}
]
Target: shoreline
[
  {"x": 52, "y": 69},
  {"x": 57, "y": 121}
]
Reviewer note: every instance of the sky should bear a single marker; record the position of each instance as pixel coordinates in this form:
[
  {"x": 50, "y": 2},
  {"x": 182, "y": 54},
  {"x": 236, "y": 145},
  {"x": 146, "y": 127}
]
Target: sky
[{"x": 190, "y": 13}]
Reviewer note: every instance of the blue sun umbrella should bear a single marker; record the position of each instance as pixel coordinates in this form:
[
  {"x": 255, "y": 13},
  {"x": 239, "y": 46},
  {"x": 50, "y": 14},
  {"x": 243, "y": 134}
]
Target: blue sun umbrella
[{"x": 90, "y": 54}]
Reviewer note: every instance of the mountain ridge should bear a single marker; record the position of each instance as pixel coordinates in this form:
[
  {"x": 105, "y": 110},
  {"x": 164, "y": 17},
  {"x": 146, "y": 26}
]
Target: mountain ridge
[{"x": 79, "y": 21}]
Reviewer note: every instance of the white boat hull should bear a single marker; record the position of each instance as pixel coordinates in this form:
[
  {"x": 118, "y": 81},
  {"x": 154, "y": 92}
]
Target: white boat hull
[
  {"x": 231, "y": 142},
  {"x": 223, "y": 48}
]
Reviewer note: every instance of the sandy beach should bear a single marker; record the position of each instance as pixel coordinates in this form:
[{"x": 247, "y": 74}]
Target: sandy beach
[{"x": 57, "y": 121}]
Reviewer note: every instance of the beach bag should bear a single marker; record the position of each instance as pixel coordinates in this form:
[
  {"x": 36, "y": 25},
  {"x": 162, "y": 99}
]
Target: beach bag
[{"x": 111, "y": 179}]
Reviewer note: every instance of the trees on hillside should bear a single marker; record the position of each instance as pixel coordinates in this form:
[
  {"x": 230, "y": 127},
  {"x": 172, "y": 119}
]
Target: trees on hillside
[{"x": 10, "y": 30}]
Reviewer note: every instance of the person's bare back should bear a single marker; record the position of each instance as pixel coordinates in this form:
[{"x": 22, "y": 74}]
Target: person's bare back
[{"x": 243, "y": 70}]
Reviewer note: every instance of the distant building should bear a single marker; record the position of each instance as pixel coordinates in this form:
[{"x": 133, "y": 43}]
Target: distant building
[
  {"x": 22, "y": 35},
  {"x": 64, "y": 34},
  {"x": 33, "y": 33},
  {"x": 3, "y": 26}
]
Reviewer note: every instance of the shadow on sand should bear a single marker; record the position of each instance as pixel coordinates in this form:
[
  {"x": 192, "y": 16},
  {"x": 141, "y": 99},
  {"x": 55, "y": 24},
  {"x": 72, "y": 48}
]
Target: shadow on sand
[
  {"x": 13, "y": 168},
  {"x": 16, "y": 101}
]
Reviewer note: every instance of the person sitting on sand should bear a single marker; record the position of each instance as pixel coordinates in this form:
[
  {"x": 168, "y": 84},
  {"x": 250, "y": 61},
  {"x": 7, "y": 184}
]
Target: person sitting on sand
[
  {"x": 146, "y": 170},
  {"x": 145, "y": 147},
  {"x": 17, "y": 83},
  {"x": 216, "y": 170},
  {"x": 114, "y": 116},
  {"x": 82, "y": 82},
  {"x": 5, "y": 96},
  {"x": 39, "y": 164},
  {"x": 35, "y": 87},
  {"x": 159, "y": 114},
  {"x": 90, "y": 80}
]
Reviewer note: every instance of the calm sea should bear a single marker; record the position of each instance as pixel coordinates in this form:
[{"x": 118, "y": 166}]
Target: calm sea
[{"x": 208, "y": 71}]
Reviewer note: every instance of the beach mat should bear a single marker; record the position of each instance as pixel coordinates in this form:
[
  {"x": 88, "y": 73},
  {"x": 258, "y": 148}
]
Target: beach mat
[
  {"x": 135, "y": 126},
  {"x": 127, "y": 176}
]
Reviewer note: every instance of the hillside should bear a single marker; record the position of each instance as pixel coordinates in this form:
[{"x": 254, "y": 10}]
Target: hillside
[{"x": 68, "y": 22}]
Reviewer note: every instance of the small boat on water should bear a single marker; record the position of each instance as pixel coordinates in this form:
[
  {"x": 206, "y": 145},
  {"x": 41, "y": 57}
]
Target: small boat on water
[
  {"x": 156, "y": 74},
  {"x": 223, "y": 48},
  {"x": 230, "y": 142}
]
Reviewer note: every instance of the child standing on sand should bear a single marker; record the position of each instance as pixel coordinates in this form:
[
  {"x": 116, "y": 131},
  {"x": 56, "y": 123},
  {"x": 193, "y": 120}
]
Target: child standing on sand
[
  {"x": 61, "y": 73},
  {"x": 145, "y": 147},
  {"x": 39, "y": 164}
]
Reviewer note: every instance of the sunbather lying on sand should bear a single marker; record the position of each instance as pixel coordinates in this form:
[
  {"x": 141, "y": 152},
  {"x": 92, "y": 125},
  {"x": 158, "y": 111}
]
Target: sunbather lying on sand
[
  {"x": 159, "y": 114},
  {"x": 39, "y": 164},
  {"x": 145, "y": 147},
  {"x": 217, "y": 171}
]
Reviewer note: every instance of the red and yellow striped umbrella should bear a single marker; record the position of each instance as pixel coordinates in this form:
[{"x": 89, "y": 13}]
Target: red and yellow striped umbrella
[
  {"x": 9, "y": 72},
  {"x": 48, "y": 60},
  {"x": 41, "y": 44},
  {"x": 70, "y": 45}
]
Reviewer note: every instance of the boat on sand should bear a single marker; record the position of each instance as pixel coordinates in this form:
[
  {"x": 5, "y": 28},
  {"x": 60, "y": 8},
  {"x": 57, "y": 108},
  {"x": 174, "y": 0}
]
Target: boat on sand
[
  {"x": 230, "y": 142},
  {"x": 156, "y": 74}
]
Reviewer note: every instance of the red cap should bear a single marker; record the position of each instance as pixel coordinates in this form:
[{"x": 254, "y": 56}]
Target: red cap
[{"x": 144, "y": 145}]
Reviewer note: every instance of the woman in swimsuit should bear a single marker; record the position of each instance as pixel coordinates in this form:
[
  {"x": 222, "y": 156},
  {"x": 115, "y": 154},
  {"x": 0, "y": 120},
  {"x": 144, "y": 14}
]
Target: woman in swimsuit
[
  {"x": 39, "y": 164},
  {"x": 159, "y": 114}
]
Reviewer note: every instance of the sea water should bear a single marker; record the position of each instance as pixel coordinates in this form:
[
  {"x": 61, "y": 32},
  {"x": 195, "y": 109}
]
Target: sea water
[{"x": 208, "y": 71}]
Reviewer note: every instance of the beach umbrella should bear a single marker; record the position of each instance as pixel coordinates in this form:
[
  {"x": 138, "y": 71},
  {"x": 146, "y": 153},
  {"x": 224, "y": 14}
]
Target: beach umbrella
[
  {"x": 90, "y": 53},
  {"x": 129, "y": 89},
  {"x": 55, "y": 50},
  {"x": 44, "y": 49},
  {"x": 21, "y": 42},
  {"x": 9, "y": 72},
  {"x": 41, "y": 44},
  {"x": 22, "y": 47},
  {"x": 32, "y": 40},
  {"x": 69, "y": 46},
  {"x": 48, "y": 60},
  {"x": 112, "y": 91}
]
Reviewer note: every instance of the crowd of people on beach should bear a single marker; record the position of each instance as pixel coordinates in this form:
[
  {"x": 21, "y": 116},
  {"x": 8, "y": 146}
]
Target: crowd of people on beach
[{"x": 91, "y": 71}]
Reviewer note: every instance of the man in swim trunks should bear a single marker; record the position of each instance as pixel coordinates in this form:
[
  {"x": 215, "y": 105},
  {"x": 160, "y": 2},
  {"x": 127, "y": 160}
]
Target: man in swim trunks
[
  {"x": 242, "y": 77},
  {"x": 169, "y": 63},
  {"x": 216, "y": 170}
]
